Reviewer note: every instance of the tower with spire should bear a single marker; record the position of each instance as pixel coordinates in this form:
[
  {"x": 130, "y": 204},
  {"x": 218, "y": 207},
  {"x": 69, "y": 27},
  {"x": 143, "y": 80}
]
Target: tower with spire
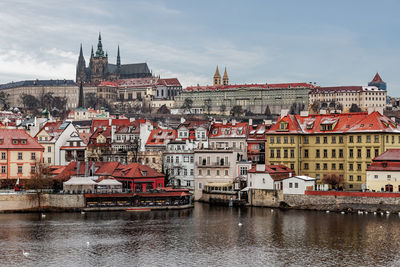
[
  {"x": 81, "y": 100},
  {"x": 225, "y": 79},
  {"x": 378, "y": 82},
  {"x": 81, "y": 68},
  {"x": 217, "y": 77},
  {"x": 98, "y": 63}
]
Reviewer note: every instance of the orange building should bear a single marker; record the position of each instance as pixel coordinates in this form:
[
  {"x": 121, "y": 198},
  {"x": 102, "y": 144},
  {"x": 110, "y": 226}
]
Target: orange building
[{"x": 19, "y": 153}]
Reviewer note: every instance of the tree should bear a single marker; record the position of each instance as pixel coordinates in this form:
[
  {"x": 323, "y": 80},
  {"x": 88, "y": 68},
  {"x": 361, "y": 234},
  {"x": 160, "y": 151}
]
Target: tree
[
  {"x": 315, "y": 106},
  {"x": 222, "y": 108},
  {"x": 333, "y": 180},
  {"x": 237, "y": 111},
  {"x": 91, "y": 100},
  {"x": 5, "y": 104},
  {"x": 39, "y": 181},
  {"x": 47, "y": 100},
  {"x": 29, "y": 101},
  {"x": 207, "y": 104},
  {"x": 267, "y": 112},
  {"x": 355, "y": 108},
  {"x": 293, "y": 109},
  {"x": 163, "y": 110},
  {"x": 187, "y": 104}
]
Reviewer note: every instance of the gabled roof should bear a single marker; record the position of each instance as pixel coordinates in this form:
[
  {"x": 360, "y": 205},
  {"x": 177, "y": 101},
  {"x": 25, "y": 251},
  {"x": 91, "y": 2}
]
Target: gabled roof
[
  {"x": 277, "y": 172},
  {"x": 228, "y": 130},
  {"x": 108, "y": 122},
  {"x": 384, "y": 166},
  {"x": 169, "y": 82},
  {"x": 8, "y": 135},
  {"x": 389, "y": 155},
  {"x": 137, "y": 170},
  {"x": 161, "y": 137},
  {"x": 257, "y": 132},
  {"x": 377, "y": 79},
  {"x": 54, "y": 129}
]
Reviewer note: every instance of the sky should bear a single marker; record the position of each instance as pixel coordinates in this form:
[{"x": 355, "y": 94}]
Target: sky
[{"x": 331, "y": 43}]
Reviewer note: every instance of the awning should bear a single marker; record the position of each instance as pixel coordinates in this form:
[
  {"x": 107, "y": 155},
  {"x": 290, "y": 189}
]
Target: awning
[{"x": 245, "y": 189}]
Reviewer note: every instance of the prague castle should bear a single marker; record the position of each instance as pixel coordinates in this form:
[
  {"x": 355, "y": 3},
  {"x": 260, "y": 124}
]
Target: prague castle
[{"x": 100, "y": 69}]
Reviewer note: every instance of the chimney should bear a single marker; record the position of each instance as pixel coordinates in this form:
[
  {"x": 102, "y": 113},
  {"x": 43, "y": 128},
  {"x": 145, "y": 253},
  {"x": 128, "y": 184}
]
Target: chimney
[
  {"x": 304, "y": 113},
  {"x": 224, "y": 121},
  {"x": 260, "y": 167},
  {"x": 250, "y": 121},
  {"x": 182, "y": 120},
  {"x": 109, "y": 122},
  {"x": 233, "y": 122},
  {"x": 113, "y": 128}
]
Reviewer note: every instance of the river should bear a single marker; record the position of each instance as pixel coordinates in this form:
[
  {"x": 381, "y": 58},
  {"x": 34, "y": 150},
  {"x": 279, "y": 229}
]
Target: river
[{"x": 204, "y": 236}]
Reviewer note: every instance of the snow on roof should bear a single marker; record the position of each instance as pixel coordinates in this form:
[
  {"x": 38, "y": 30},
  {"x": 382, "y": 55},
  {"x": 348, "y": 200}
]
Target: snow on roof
[{"x": 80, "y": 181}]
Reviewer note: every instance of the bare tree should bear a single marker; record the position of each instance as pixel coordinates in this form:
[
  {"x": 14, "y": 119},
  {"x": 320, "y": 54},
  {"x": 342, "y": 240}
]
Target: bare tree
[
  {"x": 222, "y": 108},
  {"x": 91, "y": 100},
  {"x": 207, "y": 104},
  {"x": 5, "y": 104},
  {"x": 355, "y": 108},
  {"x": 39, "y": 181},
  {"x": 237, "y": 111},
  {"x": 333, "y": 180},
  {"x": 187, "y": 104}
]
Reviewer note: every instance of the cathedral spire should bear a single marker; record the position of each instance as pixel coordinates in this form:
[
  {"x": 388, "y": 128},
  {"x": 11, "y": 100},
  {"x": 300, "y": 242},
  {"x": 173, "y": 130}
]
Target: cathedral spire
[
  {"x": 80, "y": 68},
  {"x": 99, "y": 52},
  {"x": 118, "y": 59},
  {"x": 225, "y": 79},
  {"x": 91, "y": 53},
  {"x": 217, "y": 77}
]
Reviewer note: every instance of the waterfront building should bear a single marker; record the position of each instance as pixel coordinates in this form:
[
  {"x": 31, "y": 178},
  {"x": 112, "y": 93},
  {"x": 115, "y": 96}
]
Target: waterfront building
[
  {"x": 341, "y": 145},
  {"x": 100, "y": 69},
  {"x": 383, "y": 175},
  {"x": 255, "y": 98},
  {"x": 263, "y": 176},
  {"x": 256, "y": 142},
  {"x": 295, "y": 185},
  {"x": 178, "y": 162},
  {"x": 52, "y": 136},
  {"x": 343, "y": 97},
  {"x": 74, "y": 148},
  {"x": 19, "y": 154},
  {"x": 59, "y": 88}
]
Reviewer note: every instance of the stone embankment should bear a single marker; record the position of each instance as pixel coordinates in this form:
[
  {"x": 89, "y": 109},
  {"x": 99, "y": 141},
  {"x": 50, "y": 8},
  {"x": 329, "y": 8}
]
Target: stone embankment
[{"x": 48, "y": 202}]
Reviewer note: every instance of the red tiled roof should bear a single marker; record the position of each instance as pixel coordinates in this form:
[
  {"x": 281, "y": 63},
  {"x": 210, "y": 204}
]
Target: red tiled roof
[
  {"x": 8, "y": 135},
  {"x": 85, "y": 137},
  {"x": 108, "y": 168},
  {"x": 237, "y": 86},
  {"x": 257, "y": 132},
  {"x": 277, "y": 172},
  {"x": 52, "y": 129},
  {"x": 106, "y": 122},
  {"x": 161, "y": 137},
  {"x": 169, "y": 82},
  {"x": 389, "y": 155},
  {"x": 377, "y": 79},
  {"x": 384, "y": 166},
  {"x": 136, "y": 170},
  {"x": 342, "y": 122},
  {"x": 219, "y": 130}
]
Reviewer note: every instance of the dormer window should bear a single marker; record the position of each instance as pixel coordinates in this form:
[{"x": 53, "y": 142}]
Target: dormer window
[
  {"x": 144, "y": 173},
  {"x": 215, "y": 131},
  {"x": 283, "y": 126},
  {"x": 15, "y": 141},
  {"x": 1, "y": 141},
  {"x": 23, "y": 141}
]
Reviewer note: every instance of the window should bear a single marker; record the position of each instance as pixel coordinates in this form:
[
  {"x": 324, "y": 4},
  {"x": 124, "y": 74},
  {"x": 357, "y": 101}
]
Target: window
[
  {"x": 359, "y": 167},
  {"x": 208, "y": 172},
  {"x": 226, "y": 172},
  {"x": 292, "y": 140},
  {"x": 3, "y": 169},
  {"x": 359, "y": 153},
  {"x": 278, "y": 140},
  {"x": 317, "y": 140},
  {"x": 292, "y": 153},
  {"x": 305, "y": 139},
  {"x": 325, "y": 140},
  {"x": 49, "y": 159},
  {"x": 271, "y": 140},
  {"x": 359, "y": 139},
  {"x": 49, "y": 149},
  {"x": 368, "y": 139},
  {"x": 368, "y": 153},
  {"x": 333, "y": 167},
  {"x": 3, "y": 155},
  {"x": 278, "y": 153},
  {"x": 200, "y": 173},
  {"x": 306, "y": 166},
  {"x": 176, "y": 159},
  {"x": 376, "y": 176},
  {"x": 317, "y": 154},
  {"x": 333, "y": 153},
  {"x": 306, "y": 153},
  {"x": 200, "y": 185},
  {"x": 376, "y": 152},
  {"x": 351, "y": 178},
  {"x": 243, "y": 170},
  {"x": 325, "y": 166},
  {"x": 376, "y": 139},
  {"x": 217, "y": 172},
  {"x": 20, "y": 155},
  {"x": 359, "y": 178},
  {"x": 272, "y": 154},
  {"x": 192, "y": 172},
  {"x": 350, "y": 166},
  {"x": 351, "y": 153},
  {"x": 296, "y": 185},
  {"x": 351, "y": 139},
  {"x": 340, "y": 166},
  {"x": 285, "y": 153},
  {"x": 19, "y": 169},
  {"x": 285, "y": 140},
  {"x": 153, "y": 160},
  {"x": 325, "y": 153},
  {"x": 340, "y": 153},
  {"x": 33, "y": 169},
  {"x": 317, "y": 166},
  {"x": 333, "y": 139},
  {"x": 290, "y": 185},
  {"x": 340, "y": 139},
  {"x": 292, "y": 166}
]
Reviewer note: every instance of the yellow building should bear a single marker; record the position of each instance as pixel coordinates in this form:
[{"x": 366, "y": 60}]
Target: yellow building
[{"x": 340, "y": 146}]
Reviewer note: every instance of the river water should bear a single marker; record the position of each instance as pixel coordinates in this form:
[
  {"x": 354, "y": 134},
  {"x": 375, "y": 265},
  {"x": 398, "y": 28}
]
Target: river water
[{"x": 204, "y": 236}]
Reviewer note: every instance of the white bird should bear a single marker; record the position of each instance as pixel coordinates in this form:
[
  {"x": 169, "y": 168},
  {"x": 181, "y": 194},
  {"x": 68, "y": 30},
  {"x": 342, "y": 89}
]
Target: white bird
[
  {"x": 374, "y": 212},
  {"x": 26, "y": 254},
  {"x": 387, "y": 212},
  {"x": 43, "y": 215},
  {"x": 381, "y": 213},
  {"x": 342, "y": 212},
  {"x": 366, "y": 212},
  {"x": 327, "y": 211},
  {"x": 87, "y": 244},
  {"x": 82, "y": 212},
  {"x": 272, "y": 210},
  {"x": 240, "y": 224}
]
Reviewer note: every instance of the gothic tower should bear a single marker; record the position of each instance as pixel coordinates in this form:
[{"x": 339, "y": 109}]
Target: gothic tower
[
  {"x": 118, "y": 63},
  {"x": 225, "y": 79},
  {"x": 217, "y": 77},
  {"x": 98, "y": 63},
  {"x": 81, "y": 100},
  {"x": 80, "y": 68}
]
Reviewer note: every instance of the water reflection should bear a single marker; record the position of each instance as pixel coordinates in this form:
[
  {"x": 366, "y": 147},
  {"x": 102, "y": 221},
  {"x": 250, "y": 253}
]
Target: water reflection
[{"x": 203, "y": 236}]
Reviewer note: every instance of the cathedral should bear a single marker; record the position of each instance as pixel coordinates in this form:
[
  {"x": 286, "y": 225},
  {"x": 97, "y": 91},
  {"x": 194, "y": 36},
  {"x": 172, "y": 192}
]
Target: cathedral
[{"x": 100, "y": 70}]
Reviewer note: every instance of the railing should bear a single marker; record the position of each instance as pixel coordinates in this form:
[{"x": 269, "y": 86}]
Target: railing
[{"x": 208, "y": 165}]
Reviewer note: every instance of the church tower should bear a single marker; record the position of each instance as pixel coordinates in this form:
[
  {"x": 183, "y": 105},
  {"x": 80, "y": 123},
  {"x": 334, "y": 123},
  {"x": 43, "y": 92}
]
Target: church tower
[
  {"x": 98, "y": 63},
  {"x": 378, "y": 82},
  {"x": 217, "y": 77},
  {"x": 225, "y": 79},
  {"x": 80, "y": 68}
]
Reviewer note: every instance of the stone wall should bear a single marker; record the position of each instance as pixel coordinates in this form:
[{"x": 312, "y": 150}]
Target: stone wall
[
  {"x": 29, "y": 202},
  {"x": 264, "y": 198}
]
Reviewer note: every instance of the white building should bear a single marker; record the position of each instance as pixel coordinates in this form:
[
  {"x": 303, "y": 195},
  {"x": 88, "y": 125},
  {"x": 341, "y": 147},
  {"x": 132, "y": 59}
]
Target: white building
[
  {"x": 266, "y": 176},
  {"x": 295, "y": 185},
  {"x": 178, "y": 161}
]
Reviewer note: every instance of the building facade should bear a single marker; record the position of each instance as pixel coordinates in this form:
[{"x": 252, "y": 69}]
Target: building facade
[
  {"x": 383, "y": 175},
  {"x": 338, "y": 145}
]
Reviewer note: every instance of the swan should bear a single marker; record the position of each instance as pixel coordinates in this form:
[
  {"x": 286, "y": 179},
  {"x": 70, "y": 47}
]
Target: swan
[
  {"x": 26, "y": 254},
  {"x": 240, "y": 224},
  {"x": 327, "y": 211},
  {"x": 87, "y": 243},
  {"x": 82, "y": 212},
  {"x": 43, "y": 215}
]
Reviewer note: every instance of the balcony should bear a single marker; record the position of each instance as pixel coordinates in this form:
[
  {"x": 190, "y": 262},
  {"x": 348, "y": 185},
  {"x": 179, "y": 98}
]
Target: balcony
[{"x": 212, "y": 165}]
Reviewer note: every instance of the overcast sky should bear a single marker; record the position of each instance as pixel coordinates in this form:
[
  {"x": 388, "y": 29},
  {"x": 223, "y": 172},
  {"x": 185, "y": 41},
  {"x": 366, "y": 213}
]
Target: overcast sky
[{"x": 328, "y": 42}]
